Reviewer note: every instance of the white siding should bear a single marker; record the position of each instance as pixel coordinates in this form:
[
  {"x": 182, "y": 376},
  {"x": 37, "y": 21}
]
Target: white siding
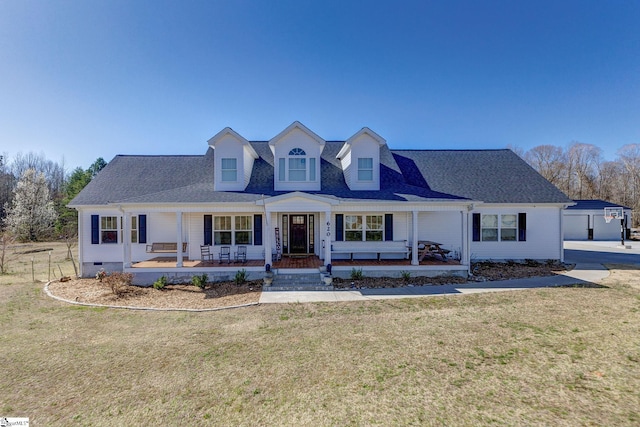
[
  {"x": 347, "y": 168},
  {"x": 111, "y": 252},
  {"x": 364, "y": 146},
  {"x": 441, "y": 227},
  {"x": 247, "y": 167},
  {"x": 543, "y": 236},
  {"x": 230, "y": 147},
  {"x": 296, "y": 138}
]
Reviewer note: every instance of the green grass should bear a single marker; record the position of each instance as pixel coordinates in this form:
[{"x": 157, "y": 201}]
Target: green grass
[{"x": 568, "y": 356}]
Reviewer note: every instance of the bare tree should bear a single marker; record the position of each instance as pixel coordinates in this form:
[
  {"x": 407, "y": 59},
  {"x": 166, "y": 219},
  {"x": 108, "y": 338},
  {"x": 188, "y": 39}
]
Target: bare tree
[
  {"x": 7, "y": 184},
  {"x": 6, "y": 240},
  {"x": 629, "y": 156},
  {"x": 582, "y": 159},
  {"x": 549, "y": 161}
]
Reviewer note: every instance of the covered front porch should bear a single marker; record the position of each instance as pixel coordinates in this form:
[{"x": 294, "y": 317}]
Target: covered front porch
[{"x": 167, "y": 265}]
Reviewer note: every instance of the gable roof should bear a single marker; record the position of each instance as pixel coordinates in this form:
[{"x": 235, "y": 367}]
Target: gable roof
[
  {"x": 595, "y": 204},
  {"x": 492, "y": 176}
]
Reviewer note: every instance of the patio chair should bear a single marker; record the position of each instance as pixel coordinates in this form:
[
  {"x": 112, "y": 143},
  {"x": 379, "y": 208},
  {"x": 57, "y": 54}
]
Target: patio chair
[
  {"x": 205, "y": 253},
  {"x": 241, "y": 254},
  {"x": 225, "y": 253}
]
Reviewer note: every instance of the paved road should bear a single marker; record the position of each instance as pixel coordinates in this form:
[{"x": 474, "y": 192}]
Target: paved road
[{"x": 588, "y": 257}]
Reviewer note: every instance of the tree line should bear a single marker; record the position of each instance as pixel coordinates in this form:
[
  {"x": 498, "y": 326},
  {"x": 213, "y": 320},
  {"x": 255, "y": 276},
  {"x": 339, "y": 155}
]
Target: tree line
[
  {"x": 34, "y": 193},
  {"x": 581, "y": 172}
]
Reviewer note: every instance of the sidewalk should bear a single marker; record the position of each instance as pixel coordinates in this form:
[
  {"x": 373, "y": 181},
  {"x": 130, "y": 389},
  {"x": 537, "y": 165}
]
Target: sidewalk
[{"x": 584, "y": 273}]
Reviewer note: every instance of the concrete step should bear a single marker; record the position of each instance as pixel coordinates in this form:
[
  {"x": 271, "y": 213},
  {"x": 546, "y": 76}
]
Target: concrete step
[{"x": 298, "y": 282}]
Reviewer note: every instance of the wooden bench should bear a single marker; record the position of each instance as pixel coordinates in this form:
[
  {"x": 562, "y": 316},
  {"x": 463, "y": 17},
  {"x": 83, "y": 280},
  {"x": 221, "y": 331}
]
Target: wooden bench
[
  {"x": 165, "y": 247},
  {"x": 385, "y": 247}
]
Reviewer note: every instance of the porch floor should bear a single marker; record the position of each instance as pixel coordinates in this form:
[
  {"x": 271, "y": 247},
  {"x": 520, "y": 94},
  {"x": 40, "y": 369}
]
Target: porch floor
[
  {"x": 286, "y": 262},
  {"x": 170, "y": 262}
]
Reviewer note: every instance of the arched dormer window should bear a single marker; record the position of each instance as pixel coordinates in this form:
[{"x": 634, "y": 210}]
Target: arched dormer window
[
  {"x": 299, "y": 166},
  {"x": 297, "y": 152}
]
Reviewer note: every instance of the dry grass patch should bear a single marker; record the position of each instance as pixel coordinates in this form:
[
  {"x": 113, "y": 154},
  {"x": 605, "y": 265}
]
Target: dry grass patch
[{"x": 557, "y": 356}]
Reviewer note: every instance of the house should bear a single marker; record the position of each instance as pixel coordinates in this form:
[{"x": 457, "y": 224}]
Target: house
[
  {"x": 585, "y": 221},
  {"x": 352, "y": 203}
]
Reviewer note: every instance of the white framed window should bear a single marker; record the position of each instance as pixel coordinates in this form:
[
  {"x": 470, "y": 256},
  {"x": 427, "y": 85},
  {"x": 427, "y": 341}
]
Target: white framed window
[
  {"x": 243, "y": 230},
  {"x": 297, "y": 169},
  {"x": 353, "y": 228},
  {"x": 375, "y": 228},
  {"x": 282, "y": 170},
  {"x": 365, "y": 169},
  {"x": 233, "y": 230},
  {"x": 134, "y": 229},
  {"x": 222, "y": 230},
  {"x": 489, "y": 228},
  {"x": 508, "y": 228},
  {"x": 229, "y": 170},
  {"x": 109, "y": 229},
  {"x": 297, "y": 166},
  {"x": 502, "y": 228},
  {"x": 367, "y": 228}
]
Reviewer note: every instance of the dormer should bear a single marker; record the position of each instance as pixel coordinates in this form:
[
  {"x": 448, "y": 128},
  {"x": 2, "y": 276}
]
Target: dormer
[
  {"x": 360, "y": 160},
  {"x": 296, "y": 159},
  {"x": 234, "y": 157}
]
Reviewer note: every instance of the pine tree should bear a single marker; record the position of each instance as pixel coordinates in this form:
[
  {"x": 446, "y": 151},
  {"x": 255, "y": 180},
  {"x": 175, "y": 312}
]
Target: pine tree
[{"x": 32, "y": 215}]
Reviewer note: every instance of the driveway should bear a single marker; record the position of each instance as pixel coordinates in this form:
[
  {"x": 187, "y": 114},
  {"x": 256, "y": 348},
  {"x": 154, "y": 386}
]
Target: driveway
[{"x": 601, "y": 252}]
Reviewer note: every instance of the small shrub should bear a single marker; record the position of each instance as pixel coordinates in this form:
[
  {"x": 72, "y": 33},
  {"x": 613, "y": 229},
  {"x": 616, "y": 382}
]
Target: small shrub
[
  {"x": 118, "y": 282},
  {"x": 240, "y": 277},
  {"x": 406, "y": 275},
  {"x": 200, "y": 280},
  {"x": 356, "y": 274},
  {"x": 160, "y": 283},
  {"x": 531, "y": 263},
  {"x": 101, "y": 274}
]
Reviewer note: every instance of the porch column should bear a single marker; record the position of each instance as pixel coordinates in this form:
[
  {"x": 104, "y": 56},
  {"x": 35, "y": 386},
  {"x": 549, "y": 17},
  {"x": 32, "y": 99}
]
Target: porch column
[
  {"x": 81, "y": 225},
  {"x": 464, "y": 246},
  {"x": 179, "y": 238},
  {"x": 126, "y": 239},
  {"x": 266, "y": 238},
  {"x": 467, "y": 239},
  {"x": 414, "y": 238},
  {"x": 326, "y": 237}
]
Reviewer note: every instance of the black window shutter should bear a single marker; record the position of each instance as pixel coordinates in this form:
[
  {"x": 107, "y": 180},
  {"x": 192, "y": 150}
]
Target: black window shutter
[
  {"x": 95, "y": 229},
  {"x": 142, "y": 229},
  {"x": 257, "y": 229},
  {"x": 522, "y": 226},
  {"x": 339, "y": 227},
  {"x": 388, "y": 227},
  {"x": 208, "y": 230},
  {"x": 476, "y": 227}
]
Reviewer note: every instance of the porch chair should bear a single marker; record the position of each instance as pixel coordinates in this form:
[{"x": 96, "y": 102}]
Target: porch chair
[
  {"x": 241, "y": 254},
  {"x": 205, "y": 253},
  {"x": 225, "y": 253}
]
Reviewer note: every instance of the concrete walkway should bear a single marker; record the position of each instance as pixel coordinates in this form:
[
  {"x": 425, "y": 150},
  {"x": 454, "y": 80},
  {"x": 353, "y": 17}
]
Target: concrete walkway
[
  {"x": 587, "y": 255},
  {"x": 582, "y": 274}
]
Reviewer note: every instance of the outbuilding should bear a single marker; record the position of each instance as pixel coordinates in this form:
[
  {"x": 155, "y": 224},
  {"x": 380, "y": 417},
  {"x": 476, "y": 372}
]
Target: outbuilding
[{"x": 585, "y": 221}]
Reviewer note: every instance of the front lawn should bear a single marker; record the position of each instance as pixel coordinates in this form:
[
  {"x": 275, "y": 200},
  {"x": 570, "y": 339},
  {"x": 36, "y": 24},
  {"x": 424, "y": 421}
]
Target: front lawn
[{"x": 547, "y": 356}]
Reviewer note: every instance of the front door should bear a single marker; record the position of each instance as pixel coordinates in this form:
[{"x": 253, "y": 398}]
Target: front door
[{"x": 298, "y": 234}]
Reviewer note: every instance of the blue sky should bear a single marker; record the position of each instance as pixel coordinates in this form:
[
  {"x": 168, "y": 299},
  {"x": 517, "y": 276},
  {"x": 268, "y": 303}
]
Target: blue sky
[{"x": 87, "y": 79}]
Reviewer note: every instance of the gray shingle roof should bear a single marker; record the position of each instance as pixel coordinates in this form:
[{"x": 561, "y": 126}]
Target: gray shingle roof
[
  {"x": 493, "y": 176},
  {"x": 497, "y": 176}
]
